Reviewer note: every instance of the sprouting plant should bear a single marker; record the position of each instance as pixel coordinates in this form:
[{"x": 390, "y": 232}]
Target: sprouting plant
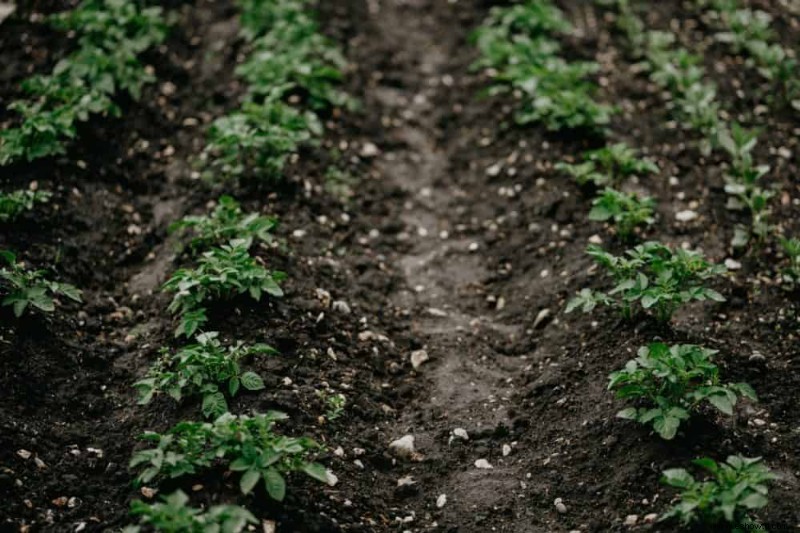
[
  {"x": 653, "y": 276},
  {"x": 13, "y": 204},
  {"x": 608, "y": 166},
  {"x": 223, "y": 272},
  {"x": 174, "y": 515},
  {"x": 258, "y": 16},
  {"x": 743, "y": 187},
  {"x": 245, "y": 444},
  {"x": 340, "y": 183},
  {"x": 335, "y": 404},
  {"x": 672, "y": 382},
  {"x": 734, "y": 488},
  {"x": 203, "y": 368},
  {"x": 516, "y": 44},
  {"x": 626, "y": 211},
  {"x": 256, "y": 140},
  {"x": 792, "y": 249},
  {"x": 24, "y": 289},
  {"x": 226, "y": 222},
  {"x": 112, "y": 33},
  {"x": 629, "y": 24}
]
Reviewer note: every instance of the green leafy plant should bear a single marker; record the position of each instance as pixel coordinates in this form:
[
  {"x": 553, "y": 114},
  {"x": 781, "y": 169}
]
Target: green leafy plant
[
  {"x": 225, "y": 223},
  {"x": 653, "y": 276},
  {"x": 223, "y": 272},
  {"x": 203, "y": 368},
  {"x": 245, "y": 444},
  {"x": 672, "y": 382},
  {"x": 791, "y": 247},
  {"x": 516, "y": 44},
  {"x": 734, "y": 489},
  {"x": 626, "y": 211},
  {"x": 256, "y": 140},
  {"x": 608, "y": 166},
  {"x": 13, "y": 204},
  {"x": 743, "y": 187},
  {"x": 335, "y": 404},
  {"x": 112, "y": 33},
  {"x": 25, "y": 289},
  {"x": 173, "y": 515}
]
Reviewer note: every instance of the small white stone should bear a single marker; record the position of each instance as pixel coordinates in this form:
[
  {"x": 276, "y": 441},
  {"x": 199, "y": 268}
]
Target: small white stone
[
  {"x": 544, "y": 313},
  {"x": 686, "y": 215},
  {"x": 405, "y": 481},
  {"x": 631, "y": 520},
  {"x": 403, "y": 447},
  {"x": 418, "y": 357},
  {"x": 369, "y": 150},
  {"x": 473, "y": 247},
  {"x": 483, "y": 464},
  {"x": 733, "y": 264},
  {"x": 494, "y": 170},
  {"x": 461, "y": 433},
  {"x": 595, "y": 239},
  {"x": 506, "y": 450},
  {"x": 441, "y": 501},
  {"x": 341, "y": 306},
  {"x": 650, "y": 518},
  {"x": 560, "y": 507}
]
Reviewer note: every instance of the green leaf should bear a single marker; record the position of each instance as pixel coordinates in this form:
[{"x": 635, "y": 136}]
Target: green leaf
[
  {"x": 275, "y": 484},
  {"x": 678, "y": 477},
  {"x": 316, "y": 471},
  {"x": 214, "y": 404},
  {"x": 666, "y": 426},
  {"x": 249, "y": 480},
  {"x": 722, "y": 402},
  {"x": 252, "y": 381}
]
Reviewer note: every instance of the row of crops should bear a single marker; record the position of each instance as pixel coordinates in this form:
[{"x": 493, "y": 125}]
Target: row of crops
[
  {"x": 292, "y": 75},
  {"x": 665, "y": 384}
]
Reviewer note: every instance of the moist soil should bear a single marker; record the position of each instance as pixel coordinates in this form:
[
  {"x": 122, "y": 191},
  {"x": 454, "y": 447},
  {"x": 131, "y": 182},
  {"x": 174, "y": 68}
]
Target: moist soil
[{"x": 455, "y": 237}]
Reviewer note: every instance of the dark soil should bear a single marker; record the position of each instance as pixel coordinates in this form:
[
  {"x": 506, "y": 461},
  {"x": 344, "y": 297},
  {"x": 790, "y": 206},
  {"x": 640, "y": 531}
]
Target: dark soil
[{"x": 430, "y": 252}]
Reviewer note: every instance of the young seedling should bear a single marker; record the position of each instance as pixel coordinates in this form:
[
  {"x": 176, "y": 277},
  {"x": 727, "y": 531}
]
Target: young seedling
[
  {"x": 335, "y": 404},
  {"x": 225, "y": 223},
  {"x": 626, "y": 211},
  {"x": 13, "y": 204},
  {"x": 516, "y": 44},
  {"x": 255, "y": 141},
  {"x": 203, "y": 369},
  {"x": 734, "y": 489},
  {"x": 174, "y": 515},
  {"x": 672, "y": 382},
  {"x": 30, "y": 289},
  {"x": 791, "y": 273},
  {"x": 244, "y": 444},
  {"x": 609, "y": 166},
  {"x": 653, "y": 276},
  {"x": 223, "y": 272}
]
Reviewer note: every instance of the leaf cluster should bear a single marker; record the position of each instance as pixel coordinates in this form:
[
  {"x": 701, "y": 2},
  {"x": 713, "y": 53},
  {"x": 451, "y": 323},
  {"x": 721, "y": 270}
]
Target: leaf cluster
[
  {"x": 30, "y": 289},
  {"x": 672, "y": 382},
  {"x": 221, "y": 273},
  {"x": 734, "y": 488},
  {"x": 203, "y": 368},
  {"x": 653, "y": 276},
  {"x": 626, "y": 211},
  {"x": 608, "y": 166},
  {"x": 173, "y": 515},
  {"x": 245, "y": 444},
  {"x": 13, "y": 204}
]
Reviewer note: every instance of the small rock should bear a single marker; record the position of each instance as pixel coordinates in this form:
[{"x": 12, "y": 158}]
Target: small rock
[
  {"x": 341, "y": 306},
  {"x": 441, "y": 501},
  {"x": 418, "y": 357},
  {"x": 631, "y": 520},
  {"x": 268, "y": 526},
  {"x": 403, "y": 447},
  {"x": 25, "y": 454},
  {"x": 757, "y": 357},
  {"x": 494, "y": 170},
  {"x": 406, "y": 481},
  {"x": 369, "y": 150},
  {"x": 543, "y": 314},
  {"x": 323, "y": 296},
  {"x": 506, "y": 450},
  {"x": 39, "y": 463},
  {"x": 733, "y": 264},
  {"x": 433, "y": 311},
  {"x": 650, "y": 518},
  {"x": 560, "y": 507},
  {"x": 148, "y": 493},
  {"x": 483, "y": 464},
  {"x": 686, "y": 215},
  {"x": 331, "y": 478},
  {"x": 6, "y": 10},
  {"x": 461, "y": 433},
  {"x": 759, "y": 422},
  {"x": 596, "y": 239}
]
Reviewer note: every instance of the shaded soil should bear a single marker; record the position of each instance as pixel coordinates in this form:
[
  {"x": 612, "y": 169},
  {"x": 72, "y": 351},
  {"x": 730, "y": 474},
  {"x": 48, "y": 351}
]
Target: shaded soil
[{"x": 431, "y": 252}]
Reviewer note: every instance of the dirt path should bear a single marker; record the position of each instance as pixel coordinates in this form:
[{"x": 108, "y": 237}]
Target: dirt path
[{"x": 467, "y": 381}]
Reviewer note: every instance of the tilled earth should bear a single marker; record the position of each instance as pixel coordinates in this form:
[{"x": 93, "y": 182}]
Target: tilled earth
[{"x": 457, "y": 239}]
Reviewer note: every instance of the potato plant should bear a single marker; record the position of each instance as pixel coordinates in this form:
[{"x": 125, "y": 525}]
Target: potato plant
[
  {"x": 516, "y": 43},
  {"x": 24, "y": 289},
  {"x": 15, "y": 203},
  {"x": 653, "y": 276},
  {"x": 608, "y": 166},
  {"x": 672, "y": 382},
  {"x": 724, "y": 499},
  {"x": 174, "y": 515},
  {"x": 625, "y": 211},
  {"x": 791, "y": 247},
  {"x": 112, "y": 34},
  {"x": 223, "y": 272},
  {"x": 203, "y": 369},
  {"x": 226, "y": 222},
  {"x": 242, "y": 443}
]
